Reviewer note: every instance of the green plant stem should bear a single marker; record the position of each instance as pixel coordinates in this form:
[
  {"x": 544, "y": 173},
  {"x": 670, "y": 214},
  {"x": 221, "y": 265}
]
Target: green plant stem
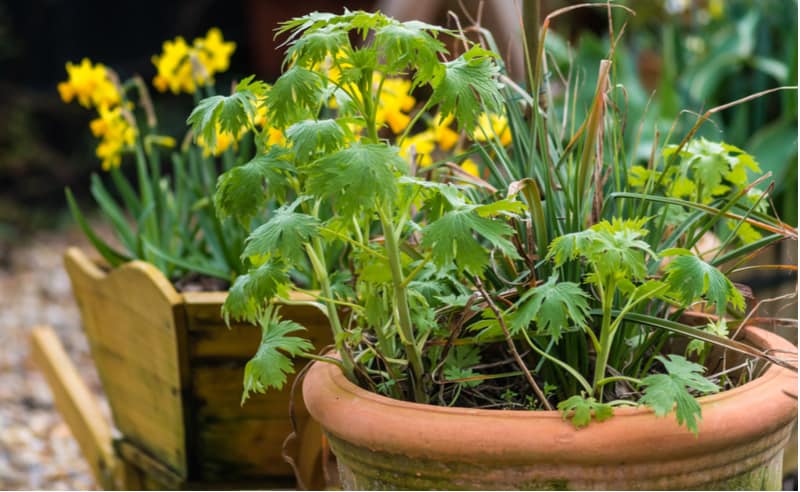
[
  {"x": 612, "y": 379},
  {"x": 317, "y": 258},
  {"x": 352, "y": 306},
  {"x": 385, "y": 346},
  {"x": 320, "y": 358},
  {"x": 583, "y": 382},
  {"x": 413, "y": 122},
  {"x": 410, "y": 277},
  {"x": 606, "y": 338},
  {"x": 369, "y": 109},
  {"x": 356, "y": 243},
  {"x": 403, "y": 313}
]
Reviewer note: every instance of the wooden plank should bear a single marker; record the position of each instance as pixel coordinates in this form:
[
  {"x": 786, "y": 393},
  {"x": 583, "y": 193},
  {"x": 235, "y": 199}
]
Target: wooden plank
[
  {"x": 209, "y": 337},
  {"x": 244, "y": 440},
  {"x": 76, "y": 403},
  {"x": 231, "y": 439},
  {"x": 159, "y": 476},
  {"x": 129, "y": 316}
]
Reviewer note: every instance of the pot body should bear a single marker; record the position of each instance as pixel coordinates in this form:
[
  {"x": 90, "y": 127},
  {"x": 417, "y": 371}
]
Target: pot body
[
  {"x": 386, "y": 444},
  {"x": 172, "y": 372}
]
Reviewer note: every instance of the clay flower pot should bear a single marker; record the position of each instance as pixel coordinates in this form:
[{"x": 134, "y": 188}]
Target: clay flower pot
[{"x": 383, "y": 443}]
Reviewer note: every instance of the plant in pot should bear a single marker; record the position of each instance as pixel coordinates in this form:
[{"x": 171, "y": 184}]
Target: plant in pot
[
  {"x": 151, "y": 305},
  {"x": 529, "y": 326}
]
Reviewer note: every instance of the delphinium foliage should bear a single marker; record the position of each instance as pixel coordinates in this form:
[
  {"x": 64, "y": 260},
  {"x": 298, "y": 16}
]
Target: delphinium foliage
[{"x": 540, "y": 273}]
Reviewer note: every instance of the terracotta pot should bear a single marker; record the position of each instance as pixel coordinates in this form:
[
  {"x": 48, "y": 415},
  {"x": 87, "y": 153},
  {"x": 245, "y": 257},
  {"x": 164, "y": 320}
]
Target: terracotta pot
[{"x": 383, "y": 443}]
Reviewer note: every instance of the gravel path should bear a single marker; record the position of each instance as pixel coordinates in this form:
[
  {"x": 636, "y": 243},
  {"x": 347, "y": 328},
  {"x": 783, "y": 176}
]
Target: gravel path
[{"x": 37, "y": 450}]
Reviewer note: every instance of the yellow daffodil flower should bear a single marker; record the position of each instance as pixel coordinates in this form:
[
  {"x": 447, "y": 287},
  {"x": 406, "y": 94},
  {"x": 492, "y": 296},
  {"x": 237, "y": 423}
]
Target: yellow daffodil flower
[
  {"x": 443, "y": 134},
  {"x": 274, "y": 135},
  {"x": 423, "y": 145},
  {"x": 91, "y": 85},
  {"x": 394, "y": 103},
  {"x": 214, "y": 52},
  {"x": 471, "y": 168},
  {"x": 174, "y": 68},
  {"x": 117, "y": 135},
  {"x": 491, "y": 126},
  {"x": 225, "y": 140},
  {"x": 182, "y": 67}
]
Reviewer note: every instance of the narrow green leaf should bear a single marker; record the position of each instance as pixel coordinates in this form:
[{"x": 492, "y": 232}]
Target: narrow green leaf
[
  {"x": 112, "y": 256},
  {"x": 187, "y": 264}
]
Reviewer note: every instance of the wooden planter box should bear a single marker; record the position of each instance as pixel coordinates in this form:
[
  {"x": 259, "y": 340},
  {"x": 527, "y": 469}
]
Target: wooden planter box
[{"x": 172, "y": 372}]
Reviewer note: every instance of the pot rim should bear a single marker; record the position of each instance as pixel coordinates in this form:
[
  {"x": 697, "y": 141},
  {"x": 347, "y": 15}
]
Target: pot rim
[{"x": 378, "y": 422}]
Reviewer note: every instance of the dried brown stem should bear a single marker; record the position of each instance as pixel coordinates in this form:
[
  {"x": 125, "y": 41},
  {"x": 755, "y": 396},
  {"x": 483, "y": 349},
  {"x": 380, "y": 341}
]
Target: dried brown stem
[{"x": 511, "y": 346}]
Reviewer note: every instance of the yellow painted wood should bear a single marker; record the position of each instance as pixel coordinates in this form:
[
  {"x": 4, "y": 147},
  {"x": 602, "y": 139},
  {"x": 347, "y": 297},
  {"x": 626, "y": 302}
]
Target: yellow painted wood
[
  {"x": 209, "y": 337},
  {"x": 156, "y": 475},
  {"x": 173, "y": 372},
  {"x": 231, "y": 439},
  {"x": 130, "y": 319},
  {"x": 77, "y": 405}
]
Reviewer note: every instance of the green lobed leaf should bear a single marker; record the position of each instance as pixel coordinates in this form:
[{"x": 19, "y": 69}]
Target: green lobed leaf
[
  {"x": 228, "y": 113},
  {"x": 713, "y": 164},
  {"x": 359, "y": 177},
  {"x": 313, "y": 47},
  {"x": 613, "y": 248},
  {"x": 295, "y": 96},
  {"x": 310, "y": 136},
  {"x": 410, "y": 44},
  {"x": 243, "y": 190},
  {"x": 249, "y": 292},
  {"x": 717, "y": 328},
  {"x": 665, "y": 392},
  {"x": 459, "y": 362},
  {"x": 552, "y": 306},
  {"x": 271, "y": 364},
  {"x": 691, "y": 279},
  {"x": 466, "y": 87},
  {"x": 581, "y": 409},
  {"x": 285, "y": 233},
  {"x": 452, "y": 239}
]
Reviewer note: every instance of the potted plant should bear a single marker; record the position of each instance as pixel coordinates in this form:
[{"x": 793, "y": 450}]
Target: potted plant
[
  {"x": 527, "y": 325},
  {"x": 170, "y": 368}
]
